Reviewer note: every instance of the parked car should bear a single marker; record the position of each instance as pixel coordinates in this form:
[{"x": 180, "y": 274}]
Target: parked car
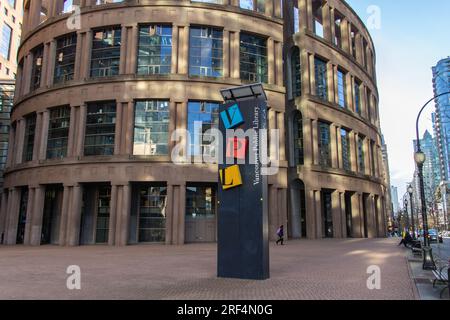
[{"x": 433, "y": 235}]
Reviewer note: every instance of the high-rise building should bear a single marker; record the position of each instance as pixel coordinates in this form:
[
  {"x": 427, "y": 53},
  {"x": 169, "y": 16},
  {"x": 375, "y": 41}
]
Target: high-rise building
[
  {"x": 90, "y": 152},
  {"x": 395, "y": 203},
  {"x": 431, "y": 167},
  {"x": 441, "y": 119}
]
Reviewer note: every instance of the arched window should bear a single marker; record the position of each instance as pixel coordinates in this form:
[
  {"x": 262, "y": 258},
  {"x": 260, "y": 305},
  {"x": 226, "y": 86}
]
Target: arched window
[
  {"x": 296, "y": 77},
  {"x": 298, "y": 138}
]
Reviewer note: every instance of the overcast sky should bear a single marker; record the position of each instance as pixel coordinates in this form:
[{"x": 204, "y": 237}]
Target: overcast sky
[{"x": 414, "y": 35}]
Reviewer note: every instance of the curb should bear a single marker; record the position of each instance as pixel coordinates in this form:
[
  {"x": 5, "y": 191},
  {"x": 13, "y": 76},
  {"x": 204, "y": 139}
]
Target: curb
[{"x": 413, "y": 280}]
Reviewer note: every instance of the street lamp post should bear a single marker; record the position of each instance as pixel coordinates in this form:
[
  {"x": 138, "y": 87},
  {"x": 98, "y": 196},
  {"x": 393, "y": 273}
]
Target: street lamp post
[
  {"x": 405, "y": 205},
  {"x": 419, "y": 158},
  {"x": 410, "y": 191}
]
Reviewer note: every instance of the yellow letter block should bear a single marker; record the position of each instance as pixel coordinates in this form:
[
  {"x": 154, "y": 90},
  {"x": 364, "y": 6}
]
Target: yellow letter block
[{"x": 230, "y": 177}]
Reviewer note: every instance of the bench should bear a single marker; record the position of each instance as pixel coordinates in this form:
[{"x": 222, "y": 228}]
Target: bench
[
  {"x": 416, "y": 247},
  {"x": 441, "y": 277}
]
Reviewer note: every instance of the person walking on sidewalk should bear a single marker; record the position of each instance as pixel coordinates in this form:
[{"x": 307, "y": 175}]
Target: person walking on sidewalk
[{"x": 280, "y": 234}]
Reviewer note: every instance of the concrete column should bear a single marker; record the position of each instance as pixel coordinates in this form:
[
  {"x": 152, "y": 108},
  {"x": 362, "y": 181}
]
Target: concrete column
[
  {"x": 279, "y": 64},
  {"x": 336, "y": 214},
  {"x": 308, "y": 140},
  {"x": 78, "y": 57},
  {"x": 44, "y": 135},
  {"x": 133, "y": 43},
  {"x": 354, "y": 151},
  {"x": 310, "y": 213},
  {"x": 123, "y": 50},
  {"x": 7, "y": 218},
  {"x": 118, "y": 129},
  {"x": 81, "y": 130},
  {"x": 169, "y": 214},
  {"x": 175, "y": 40},
  {"x": 72, "y": 131},
  {"x": 113, "y": 206},
  {"x": 235, "y": 67},
  {"x": 349, "y": 92},
  {"x": 11, "y": 151},
  {"x": 64, "y": 216},
  {"x": 312, "y": 75},
  {"x": 129, "y": 127},
  {"x": 20, "y": 141},
  {"x": 334, "y": 146},
  {"x": 343, "y": 214},
  {"x": 272, "y": 143},
  {"x": 181, "y": 214},
  {"x": 273, "y": 212},
  {"x": 86, "y": 55},
  {"x": 172, "y": 123},
  {"x": 38, "y": 211},
  {"x": 183, "y": 49},
  {"x": 303, "y": 15},
  {"x": 318, "y": 214},
  {"x": 29, "y": 216},
  {"x": 310, "y": 16},
  {"x": 271, "y": 60},
  {"x": 277, "y": 8},
  {"x": 28, "y": 67},
  {"x": 305, "y": 70},
  {"x": 340, "y": 160},
  {"x": 73, "y": 227},
  {"x": 282, "y": 212},
  {"x": 345, "y": 35},
  {"x": 35, "y": 14},
  {"x": 357, "y": 231},
  {"x": 51, "y": 54},
  {"x": 371, "y": 229},
  {"x": 326, "y": 22},
  {"x": 315, "y": 141},
  {"x": 359, "y": 46},
  {"x": 269, "y": 7},
  {"x": 45, "y": 65},
  {"x": 37, "y": 136},
  {"x": 3, "y": 212},
  {"x": 366, "y": 151},
  {"x": 281, "y": 128},
  {"x": 335, "y": 85},
  {"x": 330, "y": 81},
  {"x": 13, "y": 218},
  {"x": 332, "y": 26},
  {"x": 234, "y": 3},
  {"x": 124, "y": 215}
]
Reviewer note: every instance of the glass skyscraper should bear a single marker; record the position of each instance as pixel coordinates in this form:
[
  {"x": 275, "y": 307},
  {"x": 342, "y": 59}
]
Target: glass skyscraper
[{"x": 441, "y": 120}]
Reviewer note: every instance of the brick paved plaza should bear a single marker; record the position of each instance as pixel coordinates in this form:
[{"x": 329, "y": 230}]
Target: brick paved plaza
[{"x": 322, "y": 269}]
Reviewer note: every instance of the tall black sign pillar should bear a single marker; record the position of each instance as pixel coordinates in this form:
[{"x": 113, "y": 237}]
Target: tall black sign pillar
[{"x": 243, "y": 244}]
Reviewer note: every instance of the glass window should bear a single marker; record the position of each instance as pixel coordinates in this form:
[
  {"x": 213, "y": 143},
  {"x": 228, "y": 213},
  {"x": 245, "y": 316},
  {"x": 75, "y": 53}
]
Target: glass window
[
  {"x": 107, "y": 1},
  {"x": 206, "y": 52},
  {"x": 155, "y": 49},
  {"x": 5, "y": 45},
  {"x": 102, "y": 225},
  {"x": 30, "y": 131},
  {"x": 246, "y": 4},
  {"x": 253, "y": 57},
  {"x": 12, "y": 3},
  {"x": 320, "y": 67},
  {"x": 342, "y": 95},
  {"x": 100, "y": 128},
  {"x": 152, "y": 214},
  {"x": 65, "y": 58},
  {"x": 361, "y": 161},
  {"x": 202, "y": 116},
  {"x": 324, "y": 145},
  {"x": 327, "y": 209},
  {"x": 298, "y": 139},
  {"x": 296, "y": 73},
  {"x": 58, "y": 132},
  {"x": 105, "y": 57},
  {"x": 36, "y": 72},
  {"x": 200, "y": 201},
  {"x": 357, "y": 90},
  {"x": 68, "y": 6},
  {"x": 151, "y": 128},
  {"x": 345, "y": 146},
  {"x": 296, "y": 19}
]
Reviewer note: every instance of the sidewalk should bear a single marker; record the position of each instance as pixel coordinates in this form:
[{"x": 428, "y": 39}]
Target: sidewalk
[
  {"x": 326, "y": 269},
  {"x": 423, "y": 280}
]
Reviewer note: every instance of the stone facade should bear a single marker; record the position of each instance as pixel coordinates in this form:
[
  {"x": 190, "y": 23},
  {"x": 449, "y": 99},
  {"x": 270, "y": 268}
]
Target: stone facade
[{"x": 34, "y": 184}]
